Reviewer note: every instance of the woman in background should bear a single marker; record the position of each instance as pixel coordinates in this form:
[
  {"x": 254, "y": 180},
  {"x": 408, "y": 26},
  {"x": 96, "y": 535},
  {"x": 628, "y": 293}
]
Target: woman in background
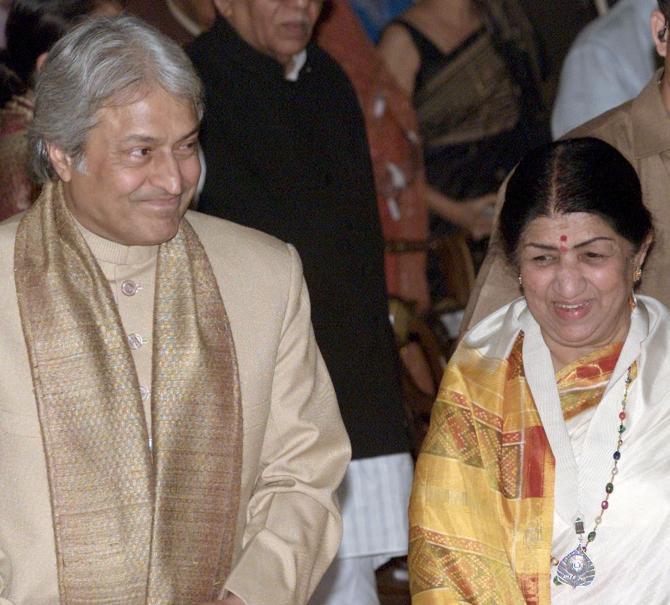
[
  {"x": 472, "y": 69},
  {"x": 33, "y": 26}
]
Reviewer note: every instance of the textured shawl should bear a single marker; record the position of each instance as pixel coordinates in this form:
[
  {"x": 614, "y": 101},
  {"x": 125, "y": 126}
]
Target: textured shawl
[{"x": 133, "y": 523}]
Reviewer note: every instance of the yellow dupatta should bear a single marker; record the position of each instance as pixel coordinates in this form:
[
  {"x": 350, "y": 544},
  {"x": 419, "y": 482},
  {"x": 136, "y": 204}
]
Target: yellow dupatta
[{"x": 481, "y": 513}]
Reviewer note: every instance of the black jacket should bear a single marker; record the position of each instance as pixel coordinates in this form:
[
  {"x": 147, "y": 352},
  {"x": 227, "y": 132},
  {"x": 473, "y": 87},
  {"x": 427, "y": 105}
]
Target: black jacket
[{"x": 291, "y": 159}]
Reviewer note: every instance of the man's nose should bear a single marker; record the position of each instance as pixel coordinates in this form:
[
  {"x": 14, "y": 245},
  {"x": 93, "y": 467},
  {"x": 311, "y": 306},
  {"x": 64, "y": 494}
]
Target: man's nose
[{"x": 167, "y": 174}]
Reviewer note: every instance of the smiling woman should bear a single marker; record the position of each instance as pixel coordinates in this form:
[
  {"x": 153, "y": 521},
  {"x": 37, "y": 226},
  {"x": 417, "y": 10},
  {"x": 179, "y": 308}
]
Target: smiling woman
[{"x": 536, "y": 475}]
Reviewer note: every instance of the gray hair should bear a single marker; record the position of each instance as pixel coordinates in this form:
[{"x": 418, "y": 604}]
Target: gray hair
[{"x": 102, "y": 62}]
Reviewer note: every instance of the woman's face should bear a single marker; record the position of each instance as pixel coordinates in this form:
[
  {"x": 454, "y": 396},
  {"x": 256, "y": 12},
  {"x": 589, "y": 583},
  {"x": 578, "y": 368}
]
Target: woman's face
[{"x": 577, "y": 275}]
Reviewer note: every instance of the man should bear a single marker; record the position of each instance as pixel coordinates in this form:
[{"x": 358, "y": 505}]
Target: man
[
  {"x": 285, "y": 149},
  {"x": 169, "y": 431},
  {"x": 609, "y": 63},
  {"x": 640, "y": 129}
]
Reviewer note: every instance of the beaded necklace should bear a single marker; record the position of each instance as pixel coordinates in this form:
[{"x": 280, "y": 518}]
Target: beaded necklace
[{"x": 576, "y": 568}]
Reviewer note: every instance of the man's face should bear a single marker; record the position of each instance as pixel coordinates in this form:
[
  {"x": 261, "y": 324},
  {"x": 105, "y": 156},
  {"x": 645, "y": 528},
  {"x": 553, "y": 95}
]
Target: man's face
[
  {"x": 140, "y": 172},
  {"x": 277, "y": 28}
]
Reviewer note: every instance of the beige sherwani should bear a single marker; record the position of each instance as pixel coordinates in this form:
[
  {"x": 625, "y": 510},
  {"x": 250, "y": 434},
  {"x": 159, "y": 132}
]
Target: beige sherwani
[
  {"x": 640, "y": 130},
  {"x": 295, "y": 448}
]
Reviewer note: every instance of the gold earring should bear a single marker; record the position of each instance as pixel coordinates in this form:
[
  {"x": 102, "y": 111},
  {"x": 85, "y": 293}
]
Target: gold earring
[{"x": 637, "y": 275}]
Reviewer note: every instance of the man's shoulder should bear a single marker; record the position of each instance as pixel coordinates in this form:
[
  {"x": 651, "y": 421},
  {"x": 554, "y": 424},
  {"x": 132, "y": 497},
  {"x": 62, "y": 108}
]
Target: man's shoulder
[
  {"x": 614, "y": 127},
  {"x": 230, "y": 241}
]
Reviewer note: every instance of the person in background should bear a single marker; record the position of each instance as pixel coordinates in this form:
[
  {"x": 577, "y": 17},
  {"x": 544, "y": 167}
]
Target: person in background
[
  {"x": 286, "y": 152},
  {"x": 4, "y": 11},
  {"x": 640, "y": 130},
  {"x": 170, "y": 433},
  {"x": 609, "y": 63},
  {"x": 392, "y": 130},
  {"x": 182, "y": 20},
  {"x": 543, "y": 474},
  {"x": 375, "y": 14},
  {"x": 33, "y": 26},
  {"x": 472, "y": 70}
]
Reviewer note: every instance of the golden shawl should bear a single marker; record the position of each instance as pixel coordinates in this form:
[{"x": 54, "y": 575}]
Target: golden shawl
[
  {"x": 132, "y": 526},
  {"x": 481, "y": 514}
]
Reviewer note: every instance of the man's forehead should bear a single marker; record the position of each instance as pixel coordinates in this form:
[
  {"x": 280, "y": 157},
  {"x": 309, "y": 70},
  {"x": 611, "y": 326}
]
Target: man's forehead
[{"x": 148, "y": 114}]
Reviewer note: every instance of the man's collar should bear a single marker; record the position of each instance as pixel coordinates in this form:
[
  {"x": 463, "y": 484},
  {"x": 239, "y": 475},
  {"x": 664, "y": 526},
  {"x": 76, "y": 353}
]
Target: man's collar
[
  {"x": 242, "y": 52},
  {"x": 651, "y": 120}
]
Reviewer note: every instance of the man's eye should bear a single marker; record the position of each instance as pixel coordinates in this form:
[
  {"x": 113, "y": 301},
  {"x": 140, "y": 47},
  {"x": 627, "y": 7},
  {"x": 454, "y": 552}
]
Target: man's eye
[
  {"x": 140, "y": 152},
  {"x": 188, "y": 147}
]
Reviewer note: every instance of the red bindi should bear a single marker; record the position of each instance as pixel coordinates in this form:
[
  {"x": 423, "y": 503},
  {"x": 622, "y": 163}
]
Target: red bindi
[{"x": 564, "y": 239}]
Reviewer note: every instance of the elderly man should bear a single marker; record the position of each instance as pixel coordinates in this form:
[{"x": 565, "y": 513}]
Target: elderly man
[
  {"x": 285, "y": 148},
  {"x": 169, "y": 433},
  {"x": 640, "y": 129}
]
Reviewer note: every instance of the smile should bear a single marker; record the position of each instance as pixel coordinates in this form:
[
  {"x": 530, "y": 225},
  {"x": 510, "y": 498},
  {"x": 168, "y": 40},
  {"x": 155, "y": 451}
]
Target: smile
[{"x": 572, "y": 310}]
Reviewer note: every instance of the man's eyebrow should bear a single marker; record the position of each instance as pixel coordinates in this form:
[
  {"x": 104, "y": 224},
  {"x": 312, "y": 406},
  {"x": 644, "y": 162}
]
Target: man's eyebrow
[{"x": 145, "y": 138}]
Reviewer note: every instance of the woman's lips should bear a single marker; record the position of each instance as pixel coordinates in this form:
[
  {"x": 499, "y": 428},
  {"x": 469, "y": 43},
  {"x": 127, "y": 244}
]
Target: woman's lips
[{"x": 572, "y": 311}]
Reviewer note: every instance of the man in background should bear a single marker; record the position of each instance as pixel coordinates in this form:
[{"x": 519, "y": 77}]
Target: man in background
[{"x": 286, "y": 153}]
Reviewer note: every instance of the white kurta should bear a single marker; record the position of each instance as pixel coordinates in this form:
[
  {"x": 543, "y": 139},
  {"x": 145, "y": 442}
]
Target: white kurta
[{"x": 630, "y": 550}]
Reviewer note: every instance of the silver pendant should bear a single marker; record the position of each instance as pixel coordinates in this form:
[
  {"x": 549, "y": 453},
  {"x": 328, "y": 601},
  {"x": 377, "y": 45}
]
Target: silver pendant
[{"x": 576, "y": 569}]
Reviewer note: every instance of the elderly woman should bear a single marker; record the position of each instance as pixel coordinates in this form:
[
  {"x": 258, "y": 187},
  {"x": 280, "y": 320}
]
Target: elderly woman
[{"x": 543, "y": 477}]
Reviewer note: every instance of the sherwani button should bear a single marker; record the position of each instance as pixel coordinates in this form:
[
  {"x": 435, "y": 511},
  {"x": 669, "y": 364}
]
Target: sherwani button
[
  {"x": 135, "y": 341},
  {"x": 129, "y": 287},
  {"x": 144, "y": 392}
]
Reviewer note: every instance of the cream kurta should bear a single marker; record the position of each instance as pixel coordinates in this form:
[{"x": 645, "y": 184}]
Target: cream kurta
[{"x": 295, "y": 447}]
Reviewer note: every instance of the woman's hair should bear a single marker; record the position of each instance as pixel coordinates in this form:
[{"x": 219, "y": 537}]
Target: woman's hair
[
  {"x": 664, "y": 7},
  {"x": 100, "y": 63},
  {"x": 574, "y": 175},
  {"x": 32, "y": 28}
]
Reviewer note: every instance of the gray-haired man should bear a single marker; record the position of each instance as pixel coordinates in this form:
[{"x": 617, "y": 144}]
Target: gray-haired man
[{"x": 168, "y": 430}]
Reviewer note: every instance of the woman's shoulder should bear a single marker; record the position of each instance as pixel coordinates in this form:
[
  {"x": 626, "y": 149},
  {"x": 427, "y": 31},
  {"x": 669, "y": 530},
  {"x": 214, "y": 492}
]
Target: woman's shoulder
[{"x": 496, "y": 333}]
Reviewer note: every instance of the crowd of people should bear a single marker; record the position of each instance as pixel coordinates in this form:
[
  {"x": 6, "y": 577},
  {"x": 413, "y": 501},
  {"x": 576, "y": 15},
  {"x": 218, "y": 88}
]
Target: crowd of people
[{"x": 205, "y": 206}]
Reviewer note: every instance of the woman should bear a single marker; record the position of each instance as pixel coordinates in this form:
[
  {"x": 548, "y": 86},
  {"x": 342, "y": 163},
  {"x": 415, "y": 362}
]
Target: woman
[
  {"x": 546, "y": 463},
  {"x": 33, "y": 26},
  {"x": 470, "y": 67}
]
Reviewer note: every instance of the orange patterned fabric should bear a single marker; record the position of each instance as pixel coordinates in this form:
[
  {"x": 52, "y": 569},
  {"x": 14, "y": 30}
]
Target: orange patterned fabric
[{"x": 481, "y": 514}]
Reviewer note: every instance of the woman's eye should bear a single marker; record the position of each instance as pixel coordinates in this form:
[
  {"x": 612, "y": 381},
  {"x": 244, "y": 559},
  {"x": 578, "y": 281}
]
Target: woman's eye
[{"x": 591, "y": 255}]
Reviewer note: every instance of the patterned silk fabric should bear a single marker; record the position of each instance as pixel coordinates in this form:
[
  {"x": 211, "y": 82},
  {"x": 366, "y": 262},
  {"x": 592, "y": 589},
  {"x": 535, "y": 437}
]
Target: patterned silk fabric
[
  {"x": 481, "y": 514},
  {"x": 133, "y": 525}
]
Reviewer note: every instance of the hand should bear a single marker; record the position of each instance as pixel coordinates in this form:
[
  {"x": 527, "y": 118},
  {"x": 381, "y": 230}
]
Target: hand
[{"x": 476, "y": 216}]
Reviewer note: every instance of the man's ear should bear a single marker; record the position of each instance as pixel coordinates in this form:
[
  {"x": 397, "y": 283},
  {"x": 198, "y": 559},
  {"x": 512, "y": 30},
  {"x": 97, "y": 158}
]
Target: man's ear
[
  {"x": 224, "y": 7},
  {"x": 659, "y": 32},
  {"x": 40, "y": 62},
  {"x": 61, "y": 162}
]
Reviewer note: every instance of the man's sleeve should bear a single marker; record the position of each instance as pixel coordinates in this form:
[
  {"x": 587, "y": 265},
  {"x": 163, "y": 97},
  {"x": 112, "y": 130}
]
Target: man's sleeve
[{"x": 293, "y": 522}]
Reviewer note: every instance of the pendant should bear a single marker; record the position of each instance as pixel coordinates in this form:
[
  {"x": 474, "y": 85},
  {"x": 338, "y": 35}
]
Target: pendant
[{"x": 575, "y": 569}]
